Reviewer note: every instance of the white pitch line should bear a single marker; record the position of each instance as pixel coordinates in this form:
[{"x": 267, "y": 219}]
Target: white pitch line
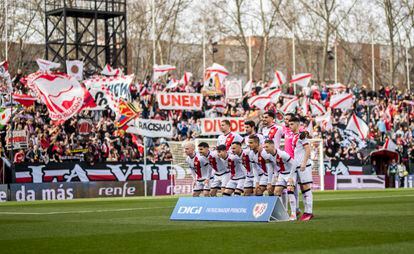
[{"x": 165, "y": 207}]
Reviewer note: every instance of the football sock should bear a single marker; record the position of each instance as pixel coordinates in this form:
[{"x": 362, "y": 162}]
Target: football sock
[
  {"x": 292, "y": 201},
  {"x": 308, "y": 196}
]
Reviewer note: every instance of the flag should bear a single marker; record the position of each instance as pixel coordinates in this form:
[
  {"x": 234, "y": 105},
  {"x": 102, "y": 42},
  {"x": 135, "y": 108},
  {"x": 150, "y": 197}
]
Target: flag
[
  {"x": 305, "y": 106},
  {"x": 24, "y": 99},
  {"x": 109, "y": 71},
  {"x": 278, "y": 80},
  {"x": 358, "y": 126},
  {"x": 317, "y": 108},
  {"x": 173, "y": 83},
  {"x": 341, "y": 101},
  {"x": 262, "y": 100},
  {"x": 215, "y": 75},
  {"x": 161, "y": 70},
  {"x": 186, "y": 78},
  {"x": 75, "y": 69},
  {"x": 5, "y": 115},
  {"x": 45, "y": 65},
  {"x": 248, "y": 86},
  {"x": 389, "y": 145},
  {"x": 336, "y": 86},
  {"x": 63, "y": 95},
  {"x": 325, "y": 121},
  {"x": 290, "y": 105},
  {"x": 127, "y": 112},
  {"x": 309, "y": 129},
  {"x": 301, "y": 79},
  {"x": 219, "y": 106}
]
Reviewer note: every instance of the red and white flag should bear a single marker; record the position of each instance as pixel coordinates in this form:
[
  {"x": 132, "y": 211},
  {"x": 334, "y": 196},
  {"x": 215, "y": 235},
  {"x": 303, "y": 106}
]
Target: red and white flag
[
  {"x": 301, "y": 79},
  {"x": 186, "y": 78},
  {"x": 262, "y": 100},
  {"x": 336, "y": 86},
  {"x": 341, "y": 101},
  {"x": 75, "y": 69},
  {"x": 389, "y": 145},
  {"x": 325, "y": 121},
  {"x": 358, "y": 126},
  {"x": 24, "y": 99},
  {"x": 109, "y": 71},
  {"x": 290, "y": 105},
  {"x": 305, "y": 106},
  {"x": 278, "y": 80},
  {"x": 161, "y": 70},
  {"x": 63, "y": 95},
  {"x": 45, "y": 65},
  {"x": 309, "y": 129},
  {"x": 316, "y": 108},
  {"x": 216, "y": 70},
  {"x": 219, "y": 106}
]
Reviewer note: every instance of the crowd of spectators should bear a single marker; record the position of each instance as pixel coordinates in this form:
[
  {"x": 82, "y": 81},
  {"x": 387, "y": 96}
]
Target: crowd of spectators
[{"x": 389, "y": 112}]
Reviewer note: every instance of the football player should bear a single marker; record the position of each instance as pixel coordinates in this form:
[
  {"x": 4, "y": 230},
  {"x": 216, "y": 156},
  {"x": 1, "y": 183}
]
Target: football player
[{"x": 200, "y": 170}]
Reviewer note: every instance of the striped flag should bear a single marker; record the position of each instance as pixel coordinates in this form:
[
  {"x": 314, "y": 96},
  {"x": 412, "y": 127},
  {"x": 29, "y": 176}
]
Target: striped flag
[
  {"x": 389, "y": 145},
  {"x": 278, "y": 80},
  {"x": 301, "y": 79},
  {"x": 336, "y": 86},
  {"x": 262, "y": 100},
  {"x": 341, "y": 101},
  {"x": 290, "y": 106},
  {"x": 248, "y": 86},
  {"x": 316, "y": 108},
  {"x": 186, "y": 78},
  {"x": 161, "y": 70},
  {"x": 24, "y": 99},
  {"x": 215, "y": 73},
  {"x": 358, "y": 126},
  {"x": 325, "y": 121}
]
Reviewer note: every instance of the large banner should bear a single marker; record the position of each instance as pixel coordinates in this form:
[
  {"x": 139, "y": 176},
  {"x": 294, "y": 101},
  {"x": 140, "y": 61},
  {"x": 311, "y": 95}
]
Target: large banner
[
  {"x": 64, "y": 191},
  {"x": 180, "y": 101},
  {"x": 211, "y": 126},
  {"x": 84, "y": 172},
  {"x": 151, "y": 128},
  {"x": 119, "y": 87},
  {"x": 20, "y": 140}
]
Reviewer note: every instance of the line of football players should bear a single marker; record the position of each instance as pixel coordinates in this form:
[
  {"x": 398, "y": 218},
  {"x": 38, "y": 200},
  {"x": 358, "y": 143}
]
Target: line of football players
[{"x": 256, "y": 164}]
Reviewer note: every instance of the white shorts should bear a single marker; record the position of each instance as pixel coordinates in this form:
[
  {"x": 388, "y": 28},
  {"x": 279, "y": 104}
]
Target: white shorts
[
  {"x": 274, "y": 178},
  {"x": 283, "y": 180},
  {"x": 249, "y": 182},
  {"x": 220, "y": 181},
  {"x": 200, "y": 185},
  {"x": 236, "y": 184},
  {"x": 305, "y": 177},
  {"x": 263, "y": 180}
]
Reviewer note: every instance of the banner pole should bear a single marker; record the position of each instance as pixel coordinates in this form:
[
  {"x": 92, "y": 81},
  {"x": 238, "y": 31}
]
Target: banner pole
[
  {"x": 145, "y": 166},
  {"x": 6, "y": 29},
  {"x": 408, "y": 69},
  {"x": 204, "y": 53},
  {"x": 336, "y": 58},
  {"x": 250, "y": 58},
  {"x": 294, "y": 61},
  {"x": 372, "y": 63},
  {"x": 321, "y": 166},
  {"x": 154, "y": 54}
]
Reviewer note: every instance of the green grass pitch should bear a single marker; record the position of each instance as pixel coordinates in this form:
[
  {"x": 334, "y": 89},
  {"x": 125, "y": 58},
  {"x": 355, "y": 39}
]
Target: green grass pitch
[{"x": 345, "y": 222}]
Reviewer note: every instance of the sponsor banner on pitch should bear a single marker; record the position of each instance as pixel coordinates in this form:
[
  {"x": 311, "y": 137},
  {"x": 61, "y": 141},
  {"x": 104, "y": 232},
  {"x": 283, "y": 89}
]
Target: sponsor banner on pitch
[
  {"x": 353, "y": 182},
  {"x": 211, "y": 126},
  {"x": 84, "y": 172},
  {"x": 64, "y": 191},
  {"x": 151, "y": 128},
  {"x": 180, "y": 101},
  {"x": 3, "y": 192},
  {"x": 263, "y": 209}
]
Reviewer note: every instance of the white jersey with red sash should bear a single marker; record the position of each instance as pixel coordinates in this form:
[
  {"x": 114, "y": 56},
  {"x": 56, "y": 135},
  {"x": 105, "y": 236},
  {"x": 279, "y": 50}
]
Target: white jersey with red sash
[
  {"x": 235, "y": 165},
  {"x": 217, "y": 163},
  {"x": 228, "y": 139},
  {"x": 299, "y": 149},
  {"x": 274, "y": 133},
  {"x": 199, "y": 166},
  {"x": 259, "y": 162}
]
